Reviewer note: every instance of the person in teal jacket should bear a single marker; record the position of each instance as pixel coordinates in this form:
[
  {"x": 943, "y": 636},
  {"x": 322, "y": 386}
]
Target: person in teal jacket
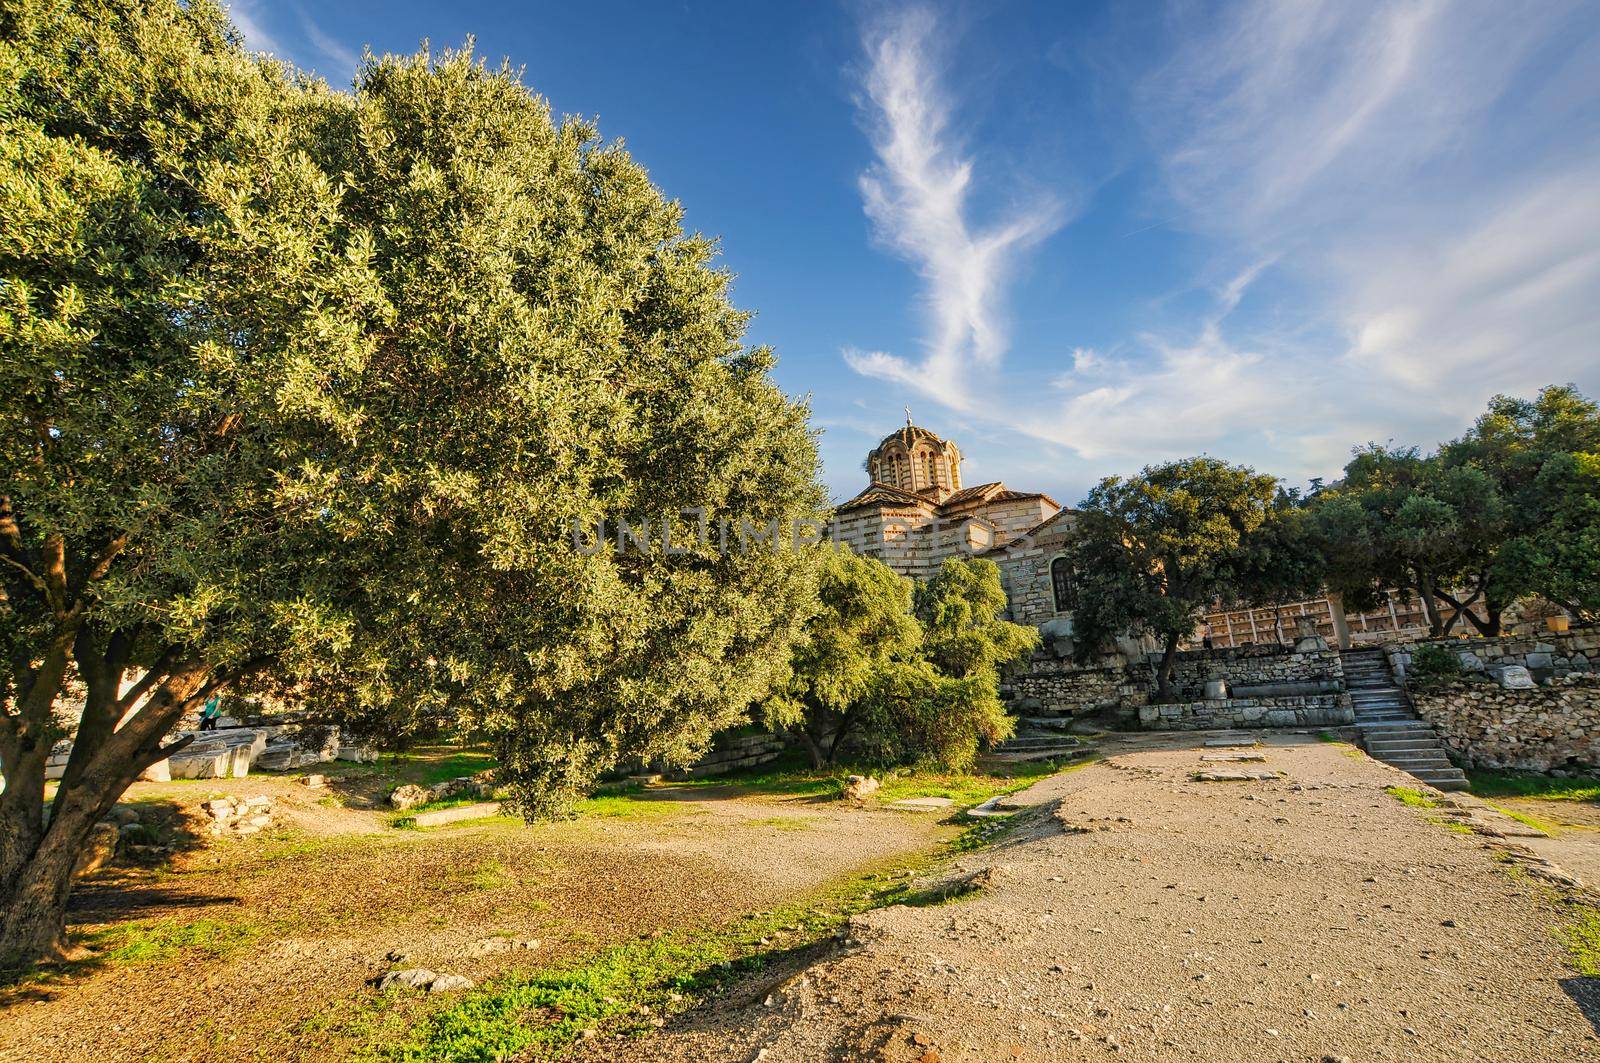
[{"x": 209, "y": 714}]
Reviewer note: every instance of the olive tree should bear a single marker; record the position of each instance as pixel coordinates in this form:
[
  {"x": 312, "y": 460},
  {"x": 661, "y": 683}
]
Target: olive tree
[
  {"x": 312, "y": 388},
  {"x": 1152, "y": 551}
]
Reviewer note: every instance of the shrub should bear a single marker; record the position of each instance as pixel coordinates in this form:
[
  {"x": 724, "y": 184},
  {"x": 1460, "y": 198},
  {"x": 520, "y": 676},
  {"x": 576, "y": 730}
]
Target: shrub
[{"x": 1433, "y": 664}]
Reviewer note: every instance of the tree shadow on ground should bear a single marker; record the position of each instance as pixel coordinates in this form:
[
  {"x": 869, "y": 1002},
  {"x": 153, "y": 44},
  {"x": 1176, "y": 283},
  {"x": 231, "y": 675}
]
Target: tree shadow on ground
[{"x": 1585, "y": 992}]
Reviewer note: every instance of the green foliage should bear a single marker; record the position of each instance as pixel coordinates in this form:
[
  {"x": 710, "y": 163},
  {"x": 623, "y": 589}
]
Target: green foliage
[
  {"x": 959, "y": 610},
  {"x": 1509, "y": 509},
  {"x": 1544, "y": 456},
  {"x": 1282, "y": 561},
  {"x": 859, "y": 630},
  {"x": 309, "y": 389},
  {"x": 1401, "y": 520},
  {"x": 1151, "y": 551},
  {"x": 1433, "y": 664},
  {"x": 901, "y": 683}
]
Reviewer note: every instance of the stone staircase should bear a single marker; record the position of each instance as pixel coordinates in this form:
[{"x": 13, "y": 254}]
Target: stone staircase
[
  {"x": 1037, "y": 738},
  {"x": 1390, "y": 730}
]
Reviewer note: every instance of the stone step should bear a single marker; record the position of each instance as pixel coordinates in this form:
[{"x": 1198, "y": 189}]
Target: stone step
[
  {"x": 1047, "y": 723},
  {"x": 1400, "y": 748},
  {"x": 1016, "y": 745},
  {"x": 1412, "y": 761},
  {"x": 1442, "y": 778}
]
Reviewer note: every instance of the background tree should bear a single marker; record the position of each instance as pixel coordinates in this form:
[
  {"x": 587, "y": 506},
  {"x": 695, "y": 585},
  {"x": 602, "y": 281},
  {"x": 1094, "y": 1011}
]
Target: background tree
[
  {"x": 963, "y": 633},
  {"x": 1417, "y": 524},
  {"x": 897, "y": 676},
  {"x": 965, "y": 644},
  {"x": 860, "y": 641},
  {"x": 1152, "y": 551},
  {"x": 1543, "y": 456},
  {"x": 1505, "y": 511},
  {"x": 1283, "y": 560},
  {"x": 307, "y": 388}
]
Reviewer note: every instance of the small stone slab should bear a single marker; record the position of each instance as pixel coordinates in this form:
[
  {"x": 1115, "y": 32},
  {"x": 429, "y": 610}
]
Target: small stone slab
[
  {"x": 1231, "y": 743},
  {"x": 921, "y": 804},
  {"x": 1235, "y": 776},
  {"x": 1258, "y": 757},
  {"x": 457, "y": 814}
]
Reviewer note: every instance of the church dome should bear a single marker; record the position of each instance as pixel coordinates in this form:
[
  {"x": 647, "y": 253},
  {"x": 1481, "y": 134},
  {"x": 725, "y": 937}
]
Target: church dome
[
  {"x": 910, "y": 434},
  {"x": 917, "y": 460}
]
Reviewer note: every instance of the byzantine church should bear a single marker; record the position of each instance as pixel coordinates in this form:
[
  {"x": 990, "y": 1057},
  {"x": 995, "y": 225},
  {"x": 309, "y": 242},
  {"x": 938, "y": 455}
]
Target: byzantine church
[{"x": 915, "y": 513}]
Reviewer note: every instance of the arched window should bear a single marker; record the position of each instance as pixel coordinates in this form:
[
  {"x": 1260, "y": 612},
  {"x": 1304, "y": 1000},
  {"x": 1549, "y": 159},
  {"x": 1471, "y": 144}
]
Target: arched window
[{"x": 1064, "y": 585}]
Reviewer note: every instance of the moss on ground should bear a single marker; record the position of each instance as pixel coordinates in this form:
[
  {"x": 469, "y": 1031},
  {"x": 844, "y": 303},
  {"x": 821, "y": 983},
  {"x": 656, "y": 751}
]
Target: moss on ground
[
  {"x": 1410, "y": 797},
  {"x": 1582, "y": 938}
]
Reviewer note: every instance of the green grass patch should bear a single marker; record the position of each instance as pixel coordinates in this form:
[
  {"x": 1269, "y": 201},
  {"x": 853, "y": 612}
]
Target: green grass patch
[
  {"x": 489, "y": 875},
  {"x": 966, "y": 788},
  {"x": 791, "y": 776},
  {"x": 1582, "y": 938},
  {"x": 1491, "y": 783},
  {"x": 1411, "y": 798},
  {"x": 1522, "y": 817},
  {"x": 159, "y": 940},
  {"x": 626, "y": 804},
  {"x": 423, "y": 765}
]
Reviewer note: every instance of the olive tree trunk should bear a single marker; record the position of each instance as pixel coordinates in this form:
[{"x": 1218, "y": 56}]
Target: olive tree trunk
[{"x": 38, "y": 857}]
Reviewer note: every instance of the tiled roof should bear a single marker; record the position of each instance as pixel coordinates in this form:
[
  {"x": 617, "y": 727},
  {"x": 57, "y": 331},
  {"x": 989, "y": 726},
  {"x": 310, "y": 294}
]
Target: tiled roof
[{"x": 882, "y": 494}]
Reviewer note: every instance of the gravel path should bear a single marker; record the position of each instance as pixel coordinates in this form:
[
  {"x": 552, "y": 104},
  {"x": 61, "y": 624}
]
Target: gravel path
[{"x": 1137, "y": 911}]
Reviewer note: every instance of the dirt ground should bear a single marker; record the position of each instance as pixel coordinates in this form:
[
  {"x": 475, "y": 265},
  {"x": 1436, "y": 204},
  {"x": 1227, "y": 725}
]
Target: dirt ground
[
  {"x": 1138, "y": 912},
  {"x": 323, "y": 900}
]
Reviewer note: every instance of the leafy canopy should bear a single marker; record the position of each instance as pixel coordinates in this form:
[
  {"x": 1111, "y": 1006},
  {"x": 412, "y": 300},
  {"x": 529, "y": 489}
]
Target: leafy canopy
[
  {"x": 896, "y": 676},
  {"x": 1151, "y": 551},
  {"x": 307, "y": 389}
]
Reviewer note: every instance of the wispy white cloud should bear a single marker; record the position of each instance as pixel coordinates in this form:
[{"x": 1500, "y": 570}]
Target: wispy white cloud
[
  {"x": 247, "y": 17},
  {"x": 918, "y": 196},
  {"x": 1420, "y": 173},
  {"x": 1378, "y": 152},
  {"x": 342, "y": 57},
  {"x": 304, "y": 44}
]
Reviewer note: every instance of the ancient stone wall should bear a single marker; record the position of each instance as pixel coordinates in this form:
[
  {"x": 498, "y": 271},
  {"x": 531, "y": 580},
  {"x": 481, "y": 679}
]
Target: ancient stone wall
[
  {"x": 1069, "y": 691},
  {"x": 1552, "y": 726},
  {"x": 1277, "y": 670},
  {"x": 1313, "y": 710},
  {"x": 1544, "y": 655}
]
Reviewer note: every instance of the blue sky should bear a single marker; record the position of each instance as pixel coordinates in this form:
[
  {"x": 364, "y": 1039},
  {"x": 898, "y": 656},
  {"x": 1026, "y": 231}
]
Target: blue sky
[{"x": 1080, "y": 238}]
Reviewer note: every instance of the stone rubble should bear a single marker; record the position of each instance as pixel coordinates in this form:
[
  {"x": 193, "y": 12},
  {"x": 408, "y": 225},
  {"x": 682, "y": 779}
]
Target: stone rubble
[{"x": 231, "y": 816}]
